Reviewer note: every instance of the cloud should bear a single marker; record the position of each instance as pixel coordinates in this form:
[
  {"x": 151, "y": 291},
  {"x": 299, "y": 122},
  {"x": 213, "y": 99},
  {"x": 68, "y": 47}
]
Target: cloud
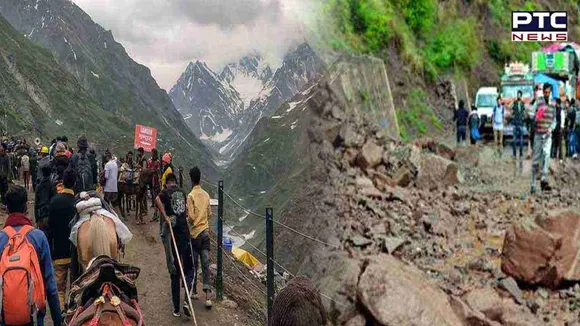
[{"x": 166, "y": 35}]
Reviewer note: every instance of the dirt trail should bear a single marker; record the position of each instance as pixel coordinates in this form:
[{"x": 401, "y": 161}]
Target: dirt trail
[{"x": 146, "y": 252}]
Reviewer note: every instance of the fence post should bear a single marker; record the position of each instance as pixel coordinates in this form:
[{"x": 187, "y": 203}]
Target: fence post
[
  {"x": 270, "y": 260},
  {"x": 220, "y": 239}
]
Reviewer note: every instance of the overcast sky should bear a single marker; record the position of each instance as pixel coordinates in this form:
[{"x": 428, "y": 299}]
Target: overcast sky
[{"x": 166, "y": 35}]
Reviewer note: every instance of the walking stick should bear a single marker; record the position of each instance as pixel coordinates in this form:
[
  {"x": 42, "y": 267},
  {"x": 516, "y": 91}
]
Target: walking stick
[{"x": 182, "y": 274}]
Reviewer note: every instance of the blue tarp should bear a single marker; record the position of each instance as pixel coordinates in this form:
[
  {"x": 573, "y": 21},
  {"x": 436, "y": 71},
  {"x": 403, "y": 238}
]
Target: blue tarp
[{"x": 543, "y": 79}]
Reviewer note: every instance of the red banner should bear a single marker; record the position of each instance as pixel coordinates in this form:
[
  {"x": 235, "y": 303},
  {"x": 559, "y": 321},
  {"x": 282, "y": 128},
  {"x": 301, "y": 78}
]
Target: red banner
[{"x": 145, "y": 137}]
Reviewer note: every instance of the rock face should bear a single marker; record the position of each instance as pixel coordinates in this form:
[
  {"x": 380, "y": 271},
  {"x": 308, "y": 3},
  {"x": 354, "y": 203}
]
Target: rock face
[
  {"x": 397, "y": 294},
  {"x": 545, "y": 251}
]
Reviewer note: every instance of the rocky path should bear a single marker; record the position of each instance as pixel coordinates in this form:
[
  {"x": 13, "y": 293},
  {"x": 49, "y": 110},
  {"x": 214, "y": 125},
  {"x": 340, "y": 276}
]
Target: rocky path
[{"x": 146, "y": 252}]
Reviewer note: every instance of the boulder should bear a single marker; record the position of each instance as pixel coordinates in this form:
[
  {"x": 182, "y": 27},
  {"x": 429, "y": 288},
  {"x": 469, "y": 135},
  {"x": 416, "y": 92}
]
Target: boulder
[
  {"x": 544, "y": 251},
  {"x": 501, "y": 310},
  {"x": 370, "y": 155},
  {"x": 437, "y": 170},
  {"x": 397, "y": 294}
]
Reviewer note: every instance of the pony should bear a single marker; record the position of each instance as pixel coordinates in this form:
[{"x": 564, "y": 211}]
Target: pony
[
  {"x": 96, "y": 235},
  {"x": 105, "y": 294},
  {"x": 298, "y": 304}
]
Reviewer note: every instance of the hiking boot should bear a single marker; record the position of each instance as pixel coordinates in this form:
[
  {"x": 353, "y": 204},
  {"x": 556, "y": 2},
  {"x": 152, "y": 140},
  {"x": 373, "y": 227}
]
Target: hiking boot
[
  {"x": 208, "y": 304},
  {"x": 176, "y": 313},
  {"x": 186, "y": 310}
]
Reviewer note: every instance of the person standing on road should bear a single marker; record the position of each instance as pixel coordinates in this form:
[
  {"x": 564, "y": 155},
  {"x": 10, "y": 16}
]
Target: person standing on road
[
  {"x": 460, "y": 117},
  {"x": 61, "y": 212},
  {"x": 545, "y": 123},
  {"x": 474, "y": 124},
  {"x": 166, "y": 167},
  {"x": 85, "y": 165},
  {"x": 155, "y": 187},
  {"x": 43, "y": 160},
  {"x": 498, "y": 119},
  {"x": 33, "y": 167},
  {"x": 519, "y": 117},
  {"x": 171, "y": 203},
  {"x": 111, "y": 189},
  {"x": 25, "y": 166},
  {"x": 16, "y": 203},
  {"x": 573, "y": 127},
  {"x": 198, "y": 214},
  {"x": 557, "y": 133},
  {"x": 44, "y": 193},
  {"x": 4, "y": 173}
]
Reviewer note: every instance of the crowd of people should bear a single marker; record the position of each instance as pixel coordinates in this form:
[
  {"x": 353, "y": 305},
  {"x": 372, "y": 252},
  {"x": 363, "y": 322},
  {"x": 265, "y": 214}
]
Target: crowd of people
[
  {"x": 553, "y": 126},
  {"x": 58, "y": 174}
]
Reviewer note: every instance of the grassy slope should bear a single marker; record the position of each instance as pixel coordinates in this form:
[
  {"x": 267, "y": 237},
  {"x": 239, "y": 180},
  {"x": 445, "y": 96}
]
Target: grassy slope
[
  {"x": 433, "y": 40},
  {"x": 56, "y": 89},
  {"x": 123, "y": 87}
]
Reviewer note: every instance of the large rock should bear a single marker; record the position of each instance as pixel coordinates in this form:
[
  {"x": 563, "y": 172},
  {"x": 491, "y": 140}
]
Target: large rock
[
  {"x": 500, "y": 310},
  {"x": 544, "y": 251},
  {"x": 437, "y": 170},
  {"x": 397, "y": 294},
  {"x": 370, "y": 155}
]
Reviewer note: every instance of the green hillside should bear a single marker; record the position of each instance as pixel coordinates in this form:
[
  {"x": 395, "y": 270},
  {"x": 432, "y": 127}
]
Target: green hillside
[
  {"x": 425, "y": 42},
  {"x": 35, "y": 93}
]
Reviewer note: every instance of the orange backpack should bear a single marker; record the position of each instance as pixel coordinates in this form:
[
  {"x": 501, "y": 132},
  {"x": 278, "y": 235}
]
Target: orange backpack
[{"x": 21, "y": 283}]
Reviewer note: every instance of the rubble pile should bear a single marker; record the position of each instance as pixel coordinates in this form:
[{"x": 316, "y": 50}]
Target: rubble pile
[{"x": 429, "y": 248}]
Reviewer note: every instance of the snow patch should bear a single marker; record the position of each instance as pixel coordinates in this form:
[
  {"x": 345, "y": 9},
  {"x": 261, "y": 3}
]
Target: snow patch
[
  {"x": 265, "y": 141},
  {"x": 263, "y": 192},
  {"x": 247, "y": 86},
  {"x": 293, "y": 125},
  {"x": 218, "y": 138},
  {"x": 276, "y": 117},
  {"x": 243, "y": 217},
  {"x": 249, "y": 235},
  {"x": 96, "y": 75},
  {"x": 105, "y": 43}
]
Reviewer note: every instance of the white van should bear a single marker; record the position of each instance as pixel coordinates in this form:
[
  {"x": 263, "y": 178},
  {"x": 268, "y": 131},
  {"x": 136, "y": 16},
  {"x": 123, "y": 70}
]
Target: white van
[{"x": 485, "y": 100}]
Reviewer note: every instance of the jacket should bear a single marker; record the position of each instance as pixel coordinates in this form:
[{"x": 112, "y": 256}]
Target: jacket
[
  {"x": 40, "y": 243},
  {"x": 4, "y": 166},
  {"x": 61, "y": 212},
  {"x": 43, "y": 195},
  {"x": 74, "y": 161}
]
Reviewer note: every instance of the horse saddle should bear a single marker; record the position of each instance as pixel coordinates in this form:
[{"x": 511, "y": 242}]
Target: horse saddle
[{"x": 103, "y": 270}]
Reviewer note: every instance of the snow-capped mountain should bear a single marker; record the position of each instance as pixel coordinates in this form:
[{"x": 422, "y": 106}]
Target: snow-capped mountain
[
  {"x": 209, "y": 105},
  {"x": 222, "y": 109}
]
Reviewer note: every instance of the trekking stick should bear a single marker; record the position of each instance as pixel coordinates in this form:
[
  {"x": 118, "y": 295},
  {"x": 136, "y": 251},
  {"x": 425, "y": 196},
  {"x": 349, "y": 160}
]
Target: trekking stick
[
  {"x": 182, "y": 274},
  {"x": 194, "y": 282}
]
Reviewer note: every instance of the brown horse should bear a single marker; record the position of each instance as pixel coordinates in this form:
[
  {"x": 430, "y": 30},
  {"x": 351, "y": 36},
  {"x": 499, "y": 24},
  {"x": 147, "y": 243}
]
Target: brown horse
[
  {"x": 137, "y": 189},
  {"x": 96, "y": 237},
  {"x": 104, "y": 295}
]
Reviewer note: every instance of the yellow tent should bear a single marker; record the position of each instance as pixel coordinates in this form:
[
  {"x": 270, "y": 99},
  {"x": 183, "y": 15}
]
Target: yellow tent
[{"x": 246, "y": 258}]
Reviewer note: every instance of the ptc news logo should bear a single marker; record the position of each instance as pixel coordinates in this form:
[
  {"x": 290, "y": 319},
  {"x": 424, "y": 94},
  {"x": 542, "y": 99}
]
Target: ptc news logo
[{"x": 542, "y": 26}]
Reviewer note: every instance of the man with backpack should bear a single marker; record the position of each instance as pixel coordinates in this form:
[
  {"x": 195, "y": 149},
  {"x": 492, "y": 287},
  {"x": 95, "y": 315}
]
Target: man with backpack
[
  {"x": 85, "y": 165},
  {"x": 25, "y": 256},
  {"x": 60, "y": 163},
  {"x": 171, "y": 203},
  {"x": 61, "y": 212}
]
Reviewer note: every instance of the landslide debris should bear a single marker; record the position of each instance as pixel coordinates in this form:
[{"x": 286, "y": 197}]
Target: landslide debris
[{"x": 421, "y": 228}]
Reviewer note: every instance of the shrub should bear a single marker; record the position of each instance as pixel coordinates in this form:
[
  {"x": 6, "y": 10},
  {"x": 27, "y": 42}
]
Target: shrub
[{"x": 455, "y": 45}]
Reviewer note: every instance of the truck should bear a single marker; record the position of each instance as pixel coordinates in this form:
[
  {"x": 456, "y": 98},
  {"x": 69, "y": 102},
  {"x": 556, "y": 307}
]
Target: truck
[
  {"x": 517, "y": 77},
  {"x": 485, "y": 100},
  {"x": 560, "y": 61}
]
